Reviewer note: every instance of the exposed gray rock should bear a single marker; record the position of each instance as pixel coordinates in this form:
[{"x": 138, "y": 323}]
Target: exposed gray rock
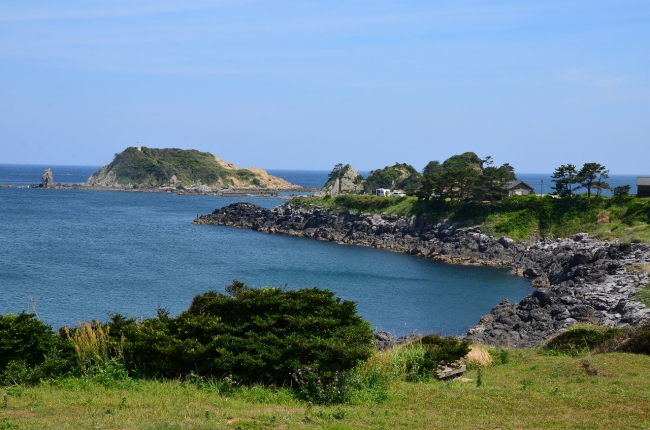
[
  {"x": 104, "y": 177},
  {"x": 384, "y": 340},
  {"x": 541, "y": 281},
  {"x": 581, "y": 279},
  {"x": 349, "y": 181},
  {"x": 47, "y": 179},
  {"x": 450, "y": 372}
]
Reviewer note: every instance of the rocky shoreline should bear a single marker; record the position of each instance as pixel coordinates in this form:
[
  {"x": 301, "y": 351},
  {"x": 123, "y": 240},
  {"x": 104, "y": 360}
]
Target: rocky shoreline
[
  {"x": 180, "y": 190},
  {"x": 580, "y": 279}
]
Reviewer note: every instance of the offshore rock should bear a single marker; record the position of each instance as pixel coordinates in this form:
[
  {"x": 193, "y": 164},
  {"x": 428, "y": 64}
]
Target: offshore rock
[
  {"x": 580, "y": 279},
  {"x": 47, "y": 179}
]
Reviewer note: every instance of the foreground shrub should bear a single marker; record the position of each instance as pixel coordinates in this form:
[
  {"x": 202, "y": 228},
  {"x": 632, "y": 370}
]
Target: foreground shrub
[
  {"x": 635, "y": 340},
  {"x": 581, "y": 339},
  {"x": 420, "y": 359},
  {"x": 317, "y": 387},
  {"x": 30, "y": 350},
  {"x": 98, "y": 356},
  {"x": 169, "y": 347},
  {"x": 255, "y": 335},
  {"x": 366, "y": 383}
]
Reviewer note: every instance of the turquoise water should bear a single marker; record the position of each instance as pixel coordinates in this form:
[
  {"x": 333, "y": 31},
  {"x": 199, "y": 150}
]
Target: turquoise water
[{"x": 78, "y": 255}]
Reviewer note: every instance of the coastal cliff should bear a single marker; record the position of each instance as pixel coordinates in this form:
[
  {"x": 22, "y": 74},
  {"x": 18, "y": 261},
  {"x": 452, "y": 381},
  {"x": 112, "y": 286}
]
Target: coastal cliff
[{"x": 578, "y": 279}]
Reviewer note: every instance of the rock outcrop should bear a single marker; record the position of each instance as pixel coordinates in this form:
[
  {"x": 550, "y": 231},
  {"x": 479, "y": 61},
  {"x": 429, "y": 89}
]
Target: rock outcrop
[
  {"x": 262, "y": 179},
  {"x": 104, "y": 177},
  {"x": 579, "y": 279},
  {"x": 47, "y": 179},
  {"x": 346, "y": 181},
  {"x": 384, "y": 340}
]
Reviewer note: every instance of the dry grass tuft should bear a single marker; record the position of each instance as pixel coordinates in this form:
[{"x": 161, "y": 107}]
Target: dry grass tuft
[
  {"x": 477, "y": 356},
  {"x": 604, "y": 217},
  {"x": 91, "y": 343}
]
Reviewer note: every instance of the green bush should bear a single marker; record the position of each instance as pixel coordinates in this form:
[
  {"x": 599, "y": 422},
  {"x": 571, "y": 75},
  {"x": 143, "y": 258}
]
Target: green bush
[
  {"x": 517, "y": 224},
  {"x": 167, "y": 347},
  {"x": 259, "y": 335},
  {"x": 444, "y": 350},
  {"x": 30, "y": 350},
  {"x": 635, "y": 340},
  {"x": 420, "y": 359},
  {"x": 638, "y": 210},
  {"x": 581, "y": 340}
]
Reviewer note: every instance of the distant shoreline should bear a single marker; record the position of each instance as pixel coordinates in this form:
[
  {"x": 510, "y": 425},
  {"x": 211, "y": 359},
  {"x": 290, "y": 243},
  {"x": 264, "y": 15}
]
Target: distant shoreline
[{"x": 226, "y": 192}]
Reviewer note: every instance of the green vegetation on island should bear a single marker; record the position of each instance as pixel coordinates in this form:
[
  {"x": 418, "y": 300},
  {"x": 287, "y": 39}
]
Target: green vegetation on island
[
  {"x": 400, "y": 176},
  {"x": 174, "y": 167},
  {"x": 471, "y": 191},
  {"x": 519, "y": 217}
]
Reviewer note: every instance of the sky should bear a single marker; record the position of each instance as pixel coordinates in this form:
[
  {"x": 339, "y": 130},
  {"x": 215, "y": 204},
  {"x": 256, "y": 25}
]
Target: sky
[{"x": 309, "y": 84}]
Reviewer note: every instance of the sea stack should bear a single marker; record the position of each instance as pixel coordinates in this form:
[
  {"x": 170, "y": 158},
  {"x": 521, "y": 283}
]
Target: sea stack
[
  {"x": 343, "y": 180},
  {"x": 48, "y": 179}
]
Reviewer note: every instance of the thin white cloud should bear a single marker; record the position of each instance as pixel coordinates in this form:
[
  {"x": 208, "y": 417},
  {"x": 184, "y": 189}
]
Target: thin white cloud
[
  {"x": 429, "y": 16},
  {"x": 591, "y": 88},
  {"x": 179, "y": 70},
  {"x": 110, "y": 11}
]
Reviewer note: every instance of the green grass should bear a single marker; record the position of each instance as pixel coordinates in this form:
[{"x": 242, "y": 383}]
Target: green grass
[
  {"x": 581, "y": 339},
  {"x": 643, "y": 295},
  {"x": 403, "y": 206},
  {"x": 516, "y": 217},
  {"x": 532, "y": 390}
]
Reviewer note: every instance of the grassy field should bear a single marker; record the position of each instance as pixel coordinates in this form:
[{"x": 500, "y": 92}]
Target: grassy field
[{"x": 531, "y": 390}]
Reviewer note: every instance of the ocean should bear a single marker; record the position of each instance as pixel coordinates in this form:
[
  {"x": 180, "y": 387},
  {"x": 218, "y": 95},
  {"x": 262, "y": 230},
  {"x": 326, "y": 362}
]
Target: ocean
[{"x": 79, "y": 255}]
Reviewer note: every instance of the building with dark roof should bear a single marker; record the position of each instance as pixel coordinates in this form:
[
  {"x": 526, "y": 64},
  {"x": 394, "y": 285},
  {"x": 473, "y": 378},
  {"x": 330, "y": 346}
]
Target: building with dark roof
[
  {"x": 518, "y": 187},
  {"x": 643, "y": 186}
]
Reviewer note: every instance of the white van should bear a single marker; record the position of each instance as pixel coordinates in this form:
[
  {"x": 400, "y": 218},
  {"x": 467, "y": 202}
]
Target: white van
[{"x": 382, "y": 192}]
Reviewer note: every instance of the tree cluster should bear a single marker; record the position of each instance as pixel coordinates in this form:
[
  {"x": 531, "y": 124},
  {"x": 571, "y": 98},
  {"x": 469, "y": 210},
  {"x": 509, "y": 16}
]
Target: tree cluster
[
  {"x": 464, "y": 176},
  {"x": 398, "y": 176},
  {"x": 567, "y": 179}
]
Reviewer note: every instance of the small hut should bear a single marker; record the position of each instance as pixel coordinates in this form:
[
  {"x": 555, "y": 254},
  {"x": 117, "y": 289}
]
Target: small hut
[
  {"x": 519, "y": 188},
  {"x": 643, "y": 186}
]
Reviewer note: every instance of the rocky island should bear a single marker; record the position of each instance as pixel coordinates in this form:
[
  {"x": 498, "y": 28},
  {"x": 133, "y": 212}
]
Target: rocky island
[{"x": 178, "y": 171}]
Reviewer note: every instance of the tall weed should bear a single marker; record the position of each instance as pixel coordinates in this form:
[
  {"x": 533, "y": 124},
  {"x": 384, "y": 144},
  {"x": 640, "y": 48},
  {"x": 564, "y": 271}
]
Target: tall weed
[{"x": 97, "y": 355}]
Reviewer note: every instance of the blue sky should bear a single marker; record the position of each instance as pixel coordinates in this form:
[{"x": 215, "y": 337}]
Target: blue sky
[{"x": 308, "y": 84}]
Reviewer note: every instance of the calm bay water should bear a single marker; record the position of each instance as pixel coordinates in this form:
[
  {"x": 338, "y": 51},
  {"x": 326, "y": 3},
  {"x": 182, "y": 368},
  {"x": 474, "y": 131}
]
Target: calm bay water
[{"x": 78, "y": 255}]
